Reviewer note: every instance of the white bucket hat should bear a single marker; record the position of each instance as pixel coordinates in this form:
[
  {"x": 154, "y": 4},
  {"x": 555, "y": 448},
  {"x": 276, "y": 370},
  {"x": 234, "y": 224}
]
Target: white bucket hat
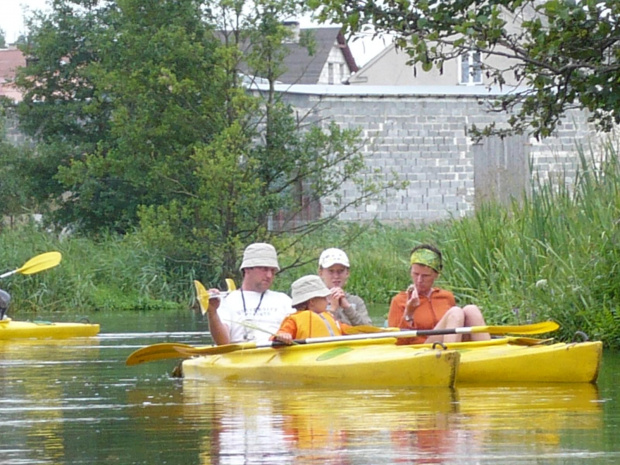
[
  {"x": 260, "y": 254},
  {"x": 306, "y": 288},
  {"x": 332, "y": 256}
]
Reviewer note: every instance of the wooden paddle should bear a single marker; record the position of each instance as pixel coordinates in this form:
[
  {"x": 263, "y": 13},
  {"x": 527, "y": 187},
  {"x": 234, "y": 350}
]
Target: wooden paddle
[
  {"x": 175, "y": 350},
  {"x": 36, "y": 264}
]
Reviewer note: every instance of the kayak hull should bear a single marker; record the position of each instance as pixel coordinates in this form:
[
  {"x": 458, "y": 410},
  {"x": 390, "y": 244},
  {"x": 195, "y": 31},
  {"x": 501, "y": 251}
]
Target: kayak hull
[
  {"x": 344, "y": 363},
  {"x": 541, "y": 363},
  {"x": 10, "y": 329},
  {"x": 381, "y": 363}
]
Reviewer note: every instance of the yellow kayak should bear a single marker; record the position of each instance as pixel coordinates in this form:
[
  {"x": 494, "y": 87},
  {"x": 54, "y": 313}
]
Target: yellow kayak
[
  {"x": 554, "y": 363},
  {"x": 381, "y": 363},
  {"x": 526, "y": 360},
  {"x": 361, "y": 363},
  {"x": 10, "y": 329}
]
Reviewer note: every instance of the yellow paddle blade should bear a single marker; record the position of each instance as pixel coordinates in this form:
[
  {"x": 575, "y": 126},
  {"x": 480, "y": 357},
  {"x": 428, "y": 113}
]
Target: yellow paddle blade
[
  {"x": 162, "y": 351},
  {"x": 40, "y": 263},
  {"x": 214, "y": 350},
  {"x": 36, "y": 264},
  {"x": 535, "y": 328},
  {"x": 231, "y": 285},
  {"x": 203, "y": 296}
]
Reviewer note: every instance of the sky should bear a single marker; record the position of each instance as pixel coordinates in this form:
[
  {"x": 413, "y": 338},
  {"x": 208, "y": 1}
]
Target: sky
[
  {"x": 12, "y": 23},
  {"x": 12, "y": 16}
]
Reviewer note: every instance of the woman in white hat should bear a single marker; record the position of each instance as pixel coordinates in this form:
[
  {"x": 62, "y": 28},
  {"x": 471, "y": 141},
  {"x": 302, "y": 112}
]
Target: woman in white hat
[
  {"x": 252, "y": 312},
  {"x": 309, "y": 298},
  {"x": 334, "y": 271}
]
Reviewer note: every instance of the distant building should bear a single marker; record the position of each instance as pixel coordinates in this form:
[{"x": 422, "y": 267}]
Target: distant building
[
  {"x": 391, "y": 66},
  {"x": 330, "y": 63},
  {"x": 10, "y": 59}
]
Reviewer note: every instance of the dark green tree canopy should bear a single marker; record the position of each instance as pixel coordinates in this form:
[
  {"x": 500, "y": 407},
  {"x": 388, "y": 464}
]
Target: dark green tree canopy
[
  {"x": 564, "y": 53},
  {"x": 144, "y": 124}
]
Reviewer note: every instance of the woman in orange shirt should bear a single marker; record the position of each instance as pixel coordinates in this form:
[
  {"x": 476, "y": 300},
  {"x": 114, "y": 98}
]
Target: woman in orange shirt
[
  {"x": 423, "y": 306},
  {"x": 309, "y": 295}
]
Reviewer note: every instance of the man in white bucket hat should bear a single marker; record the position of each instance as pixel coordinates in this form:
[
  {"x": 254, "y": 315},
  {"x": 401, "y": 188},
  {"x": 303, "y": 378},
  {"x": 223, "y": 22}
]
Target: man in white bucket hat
[
  {"x": 334, "y": 271},
  {"x": 252, "y": 306}
]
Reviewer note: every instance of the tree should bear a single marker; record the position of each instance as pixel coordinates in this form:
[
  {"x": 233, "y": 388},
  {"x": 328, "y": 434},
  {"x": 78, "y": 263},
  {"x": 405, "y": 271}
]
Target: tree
[
  {"x": 62, "y": 108},
  {"x": 266, "y": 161},
  {"x": 12, "y": 191},
  {"x": 145, "y": 124},
  {"x": 566, "y": 53},
  {"x": 2, "y": 39}
]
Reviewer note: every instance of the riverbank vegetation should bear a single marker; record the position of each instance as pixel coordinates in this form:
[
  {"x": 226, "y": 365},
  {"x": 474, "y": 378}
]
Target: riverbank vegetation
[{"x": 554, "y": 255}]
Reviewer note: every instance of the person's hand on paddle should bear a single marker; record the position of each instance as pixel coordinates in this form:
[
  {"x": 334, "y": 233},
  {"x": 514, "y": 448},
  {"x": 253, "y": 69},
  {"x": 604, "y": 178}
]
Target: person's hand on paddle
[
  {"x": 214, "y": 300},
  {"x": 337, "y": 299},
  {"x": 283, "y": 337}
]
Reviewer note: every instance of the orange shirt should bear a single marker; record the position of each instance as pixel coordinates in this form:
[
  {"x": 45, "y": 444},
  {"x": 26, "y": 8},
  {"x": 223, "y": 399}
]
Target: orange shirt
[
  {"x": 306, "y": 323},
  {"x": 425, "y": 316}
]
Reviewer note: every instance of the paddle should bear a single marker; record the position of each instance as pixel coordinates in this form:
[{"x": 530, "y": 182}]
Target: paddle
[
  {"x": 166, "y": 350},
  {"x": 169, "y": 350},
  {"x": 536, "y": 328},
  {"x": 203, "y": 295},
  {"x": 36, "y": 264}
]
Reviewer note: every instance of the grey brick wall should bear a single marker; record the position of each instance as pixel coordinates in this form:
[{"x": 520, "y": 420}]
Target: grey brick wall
[{"x": 424, "y": 137}]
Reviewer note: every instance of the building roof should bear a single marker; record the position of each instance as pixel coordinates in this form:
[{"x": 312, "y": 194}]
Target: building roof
[
  {"x": 10, "y": 59},
  {"x": 303, "y": 67},
  {"x": 392, "y": 91}
]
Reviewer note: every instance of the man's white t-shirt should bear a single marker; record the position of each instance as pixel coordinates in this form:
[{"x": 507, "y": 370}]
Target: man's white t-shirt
[{"x": 241, "y": 311}]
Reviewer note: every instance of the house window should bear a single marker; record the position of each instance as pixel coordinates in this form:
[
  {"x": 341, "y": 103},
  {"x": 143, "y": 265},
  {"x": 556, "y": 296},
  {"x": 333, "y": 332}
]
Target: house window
[
  {"x": 470, "y": 69},
  {"x": 330, "y": 73}
]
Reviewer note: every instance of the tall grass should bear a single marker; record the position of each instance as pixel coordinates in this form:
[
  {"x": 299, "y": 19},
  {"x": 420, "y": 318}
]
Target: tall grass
[
  {"x": 554, "y": 254},
  {"x": 112, "y": 273}
]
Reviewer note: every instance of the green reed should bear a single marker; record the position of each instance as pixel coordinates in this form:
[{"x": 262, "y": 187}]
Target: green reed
[
  {"x": 552, "y": 254},
  {"x": 112, "y": 273}
]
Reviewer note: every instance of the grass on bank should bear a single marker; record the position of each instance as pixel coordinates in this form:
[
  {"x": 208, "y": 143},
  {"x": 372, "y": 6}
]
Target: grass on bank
[{"x": 554, "y": 255}]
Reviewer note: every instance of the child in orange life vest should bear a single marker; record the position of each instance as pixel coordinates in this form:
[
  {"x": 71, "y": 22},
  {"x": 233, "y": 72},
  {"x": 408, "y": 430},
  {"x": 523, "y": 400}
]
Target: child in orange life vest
[{"x": 309, "y": 296}]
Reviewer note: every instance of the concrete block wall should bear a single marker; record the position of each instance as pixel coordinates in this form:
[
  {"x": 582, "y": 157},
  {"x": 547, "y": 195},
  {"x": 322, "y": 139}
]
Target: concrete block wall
[{"x": 424, "y": 138}]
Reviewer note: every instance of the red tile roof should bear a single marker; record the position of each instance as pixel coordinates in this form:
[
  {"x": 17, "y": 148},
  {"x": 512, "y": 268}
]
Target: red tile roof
[{"x": 10, "y": 60}]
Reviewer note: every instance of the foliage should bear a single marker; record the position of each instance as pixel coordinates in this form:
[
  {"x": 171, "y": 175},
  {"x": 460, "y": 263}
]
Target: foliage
[
  {"x": 554, "y": 255},
  {"x": 117, "y": 94},
  {"x": 14, "y": 192},
  {"x": 115, "y": 273},
  {"x": 565, "y": 53},
  {"x": 146, "y": 126}
]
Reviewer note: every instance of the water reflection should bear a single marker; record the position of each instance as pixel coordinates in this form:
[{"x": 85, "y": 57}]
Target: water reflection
[
  {"x": 32, "y": 391},
  {"x": 260, "y": 424},
  {"x": 75, "y": 401}
]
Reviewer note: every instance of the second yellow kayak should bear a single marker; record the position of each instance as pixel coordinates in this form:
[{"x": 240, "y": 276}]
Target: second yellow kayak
[{"x": 10, "y": 329}]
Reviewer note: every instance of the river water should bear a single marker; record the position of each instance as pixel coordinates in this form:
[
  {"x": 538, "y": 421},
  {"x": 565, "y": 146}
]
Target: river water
[{"x": 75, "y": 402}]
